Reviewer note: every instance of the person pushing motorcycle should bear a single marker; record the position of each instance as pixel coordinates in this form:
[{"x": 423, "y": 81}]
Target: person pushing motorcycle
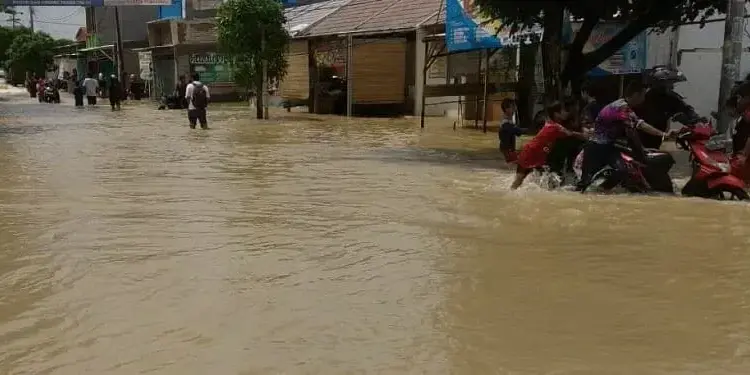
[
  {"x": 740, "y": 103},
  {"x": 661, "y": 103},
  {"x": 616, "y": 121}
]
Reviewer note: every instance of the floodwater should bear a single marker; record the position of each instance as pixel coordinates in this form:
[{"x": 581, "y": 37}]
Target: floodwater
[{"x": 130, "y": 244}]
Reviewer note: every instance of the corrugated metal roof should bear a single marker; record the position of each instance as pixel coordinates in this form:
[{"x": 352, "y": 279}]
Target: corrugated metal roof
[
  {"x": 378, "y": 15},
  {"x": 300, "y": 18}
]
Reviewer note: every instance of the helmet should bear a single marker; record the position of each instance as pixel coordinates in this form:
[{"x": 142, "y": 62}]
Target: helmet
[{"x": 664, "y": 74}]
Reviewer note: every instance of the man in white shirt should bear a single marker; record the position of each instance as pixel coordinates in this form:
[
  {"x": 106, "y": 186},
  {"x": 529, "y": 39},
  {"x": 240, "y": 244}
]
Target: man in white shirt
[
  {"x": 197, "y": 97},
  {"x": 91, "y": 85}
]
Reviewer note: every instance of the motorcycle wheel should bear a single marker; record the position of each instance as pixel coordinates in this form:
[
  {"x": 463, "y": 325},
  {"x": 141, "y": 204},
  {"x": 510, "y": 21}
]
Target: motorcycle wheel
[
  {"x": 730, "y": 194},
  {"x": 603, "y": 181}
]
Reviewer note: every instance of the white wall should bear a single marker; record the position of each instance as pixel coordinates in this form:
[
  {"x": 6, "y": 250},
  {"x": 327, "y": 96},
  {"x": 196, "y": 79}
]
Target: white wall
[
  {"x": 699, "y": 51},
  {"x": 433, "y": 106},
  {"x": 659, "y": 48}
]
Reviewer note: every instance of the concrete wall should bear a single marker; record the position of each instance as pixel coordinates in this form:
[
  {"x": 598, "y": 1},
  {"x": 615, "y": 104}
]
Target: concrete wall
[
  {"x": 660, "y": 48},
  {"x": 699, "y": 57},
  {"x": 132, "y": 18}
]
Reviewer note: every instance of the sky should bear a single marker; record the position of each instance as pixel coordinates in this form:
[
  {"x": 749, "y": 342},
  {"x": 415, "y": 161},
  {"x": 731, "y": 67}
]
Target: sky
[{"x": 59, "y": 22}]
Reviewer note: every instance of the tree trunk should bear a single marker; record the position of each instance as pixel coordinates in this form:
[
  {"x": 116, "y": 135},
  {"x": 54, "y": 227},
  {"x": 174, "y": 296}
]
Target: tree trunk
[
  {"x": 571, "y": 71},
  {"x": 579, "y": 63},
  {"x": 551, "y": 53},
  {"x": 526, "y": 84},
  {"x": 259, "y": 96}
]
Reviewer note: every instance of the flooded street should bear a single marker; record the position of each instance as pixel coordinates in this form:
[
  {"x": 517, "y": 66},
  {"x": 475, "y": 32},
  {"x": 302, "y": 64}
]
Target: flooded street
[{"x": 130, "y": 244}]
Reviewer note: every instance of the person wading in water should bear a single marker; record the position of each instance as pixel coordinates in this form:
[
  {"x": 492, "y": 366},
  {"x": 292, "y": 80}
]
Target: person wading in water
[{"x": 197, "y": 96}]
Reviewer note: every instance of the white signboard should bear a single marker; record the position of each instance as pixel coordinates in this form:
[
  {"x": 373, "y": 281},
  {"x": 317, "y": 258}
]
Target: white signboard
[
  {"x": 144, "y": 63},
  {"x": 113, "y": 3}
]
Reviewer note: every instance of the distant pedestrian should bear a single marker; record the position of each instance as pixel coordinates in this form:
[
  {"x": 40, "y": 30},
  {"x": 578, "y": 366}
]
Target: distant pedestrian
[
  {"x": 197, "y": 96},
  {"x": 40, "y": 88},
  {"x": 102, "y": 85},
  {"x": 91, "y": 86},
  {"x": 78, "y": 93},
  {"x": 180, "y": 90},
  {"x": 509, "y": 131},
  {"x": 115, "y": 92}
]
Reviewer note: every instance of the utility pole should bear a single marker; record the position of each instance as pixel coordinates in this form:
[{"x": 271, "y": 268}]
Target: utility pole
[
  {"x": 730, "y": 59},
  {"x": 31, "y": 18},
  {"x": 118, "y": 34},
  {"x": 264, "y": 63},
  {"x": 349, "y": 67},
  {"x": 14, "y": 18}
]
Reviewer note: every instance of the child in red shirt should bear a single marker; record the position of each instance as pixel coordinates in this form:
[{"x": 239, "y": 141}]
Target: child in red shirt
[{"x": 534, "y": 154}]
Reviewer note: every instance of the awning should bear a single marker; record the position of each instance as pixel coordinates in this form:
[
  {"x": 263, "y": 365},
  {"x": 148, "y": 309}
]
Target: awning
[
  {"x": 151, "y": 48},
  {"x": 97, "y": 48},
  {"x": 100, "y": 49}
]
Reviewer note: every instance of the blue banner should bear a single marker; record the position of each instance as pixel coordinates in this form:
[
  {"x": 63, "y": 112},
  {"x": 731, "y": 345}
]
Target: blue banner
[{"x": 463, "y": 32}]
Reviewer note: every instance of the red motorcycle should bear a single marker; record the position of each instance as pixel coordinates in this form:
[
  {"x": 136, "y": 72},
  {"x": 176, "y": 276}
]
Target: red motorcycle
[
  {"x": 645, "y": 171},
  {"x": 712, "y": 173}
]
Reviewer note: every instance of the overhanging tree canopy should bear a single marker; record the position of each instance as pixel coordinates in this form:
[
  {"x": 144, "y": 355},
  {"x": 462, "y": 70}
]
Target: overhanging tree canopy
[
  {"x": 251, "y": 32},
  {"x": 31, "y": 52},
  {"x": 636, "y": 15}
]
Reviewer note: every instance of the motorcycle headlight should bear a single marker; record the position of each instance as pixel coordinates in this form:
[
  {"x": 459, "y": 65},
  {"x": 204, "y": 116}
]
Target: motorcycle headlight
[
  {"x": 724, "y": 167},
  {"x": 716, "y": 143}
]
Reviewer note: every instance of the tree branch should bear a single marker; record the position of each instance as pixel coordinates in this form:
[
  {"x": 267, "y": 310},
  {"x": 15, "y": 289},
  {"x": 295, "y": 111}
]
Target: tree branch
[
  {"x": 592, "y": 59},
  {"x": 575, "y": 51}
]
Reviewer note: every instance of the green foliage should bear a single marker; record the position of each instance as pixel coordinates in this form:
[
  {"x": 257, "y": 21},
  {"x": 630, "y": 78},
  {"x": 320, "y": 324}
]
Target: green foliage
[
  {"x": 661, "y": 14},
  {"x": 30, "y": 52},
  {"x": 637, "y": 15},
  {"x": 7, "y": 35},
  {"x": 242, "y": 24}
]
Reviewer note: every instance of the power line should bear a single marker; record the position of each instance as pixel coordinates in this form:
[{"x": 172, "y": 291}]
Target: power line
[
  {"x": 59, "y": 23},
  {"x": 63, "y": 18}
]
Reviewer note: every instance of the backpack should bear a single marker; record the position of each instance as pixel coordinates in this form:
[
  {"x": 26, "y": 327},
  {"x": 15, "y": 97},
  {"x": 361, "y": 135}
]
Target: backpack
[{"x": 200, "y": 99}]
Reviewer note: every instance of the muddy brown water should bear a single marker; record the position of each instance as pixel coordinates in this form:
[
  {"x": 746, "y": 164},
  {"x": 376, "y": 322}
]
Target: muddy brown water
[{"x": 316, "y": 245}]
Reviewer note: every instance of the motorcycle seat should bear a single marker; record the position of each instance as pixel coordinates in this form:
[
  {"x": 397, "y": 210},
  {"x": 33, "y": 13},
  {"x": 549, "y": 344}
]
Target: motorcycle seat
[{"x": 660, "y": 159}]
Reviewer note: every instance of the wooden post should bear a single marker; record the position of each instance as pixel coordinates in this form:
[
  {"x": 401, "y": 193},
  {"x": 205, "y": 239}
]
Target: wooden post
[
  {"x": 349, "y": 75},
  {"x": 424, "y": 83},
  {"x": 476, "y": 97},
  {"x": 485, "y": 94},
  {"x": 264, "y": 84}
]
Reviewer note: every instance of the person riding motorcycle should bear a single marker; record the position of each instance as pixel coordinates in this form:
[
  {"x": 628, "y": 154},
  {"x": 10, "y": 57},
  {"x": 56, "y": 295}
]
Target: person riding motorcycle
[
  {"x": 616, "y": 121},
  {"x": 662, "y": 103},
  {"x": 51, "y": 94}
]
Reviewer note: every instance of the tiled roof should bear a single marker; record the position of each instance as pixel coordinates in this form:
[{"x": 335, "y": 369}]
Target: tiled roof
[
  {"x": 379, "y": 15},
  {"x": 300, "y": 18}
]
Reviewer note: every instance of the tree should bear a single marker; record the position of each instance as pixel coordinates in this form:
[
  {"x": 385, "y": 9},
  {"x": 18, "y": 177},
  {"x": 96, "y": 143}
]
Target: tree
[
  {"x": 30, "y": 52},
  {"x": 250, "y": 32},
  {"x": 7, "y": 35},
  {"x": 637, "y": 16}
]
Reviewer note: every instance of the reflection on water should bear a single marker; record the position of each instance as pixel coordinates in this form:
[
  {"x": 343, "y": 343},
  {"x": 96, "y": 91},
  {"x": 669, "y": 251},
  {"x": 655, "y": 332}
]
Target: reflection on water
[{"x": 130, "y": 244}]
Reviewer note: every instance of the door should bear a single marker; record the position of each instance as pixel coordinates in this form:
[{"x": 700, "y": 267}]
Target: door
[
  {"x": 379, "y": 71},
  {"x": 164, "y": 81}
]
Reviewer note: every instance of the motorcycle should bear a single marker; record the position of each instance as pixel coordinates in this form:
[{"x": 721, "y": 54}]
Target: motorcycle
[
  {"x": 712, "y": 173},
  {"x": 635, "y": 173},
  {"x": 51, "y": 95}
]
